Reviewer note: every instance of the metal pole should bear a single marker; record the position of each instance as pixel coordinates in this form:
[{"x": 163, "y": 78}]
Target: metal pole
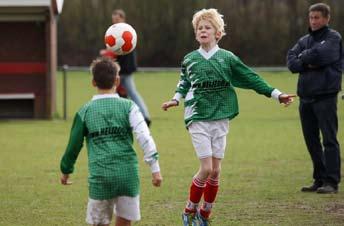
[{"x": 65, "y": 69}]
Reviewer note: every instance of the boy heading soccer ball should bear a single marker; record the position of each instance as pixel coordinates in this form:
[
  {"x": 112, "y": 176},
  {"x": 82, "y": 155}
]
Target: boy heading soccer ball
[{"x": 208, "y": 77}]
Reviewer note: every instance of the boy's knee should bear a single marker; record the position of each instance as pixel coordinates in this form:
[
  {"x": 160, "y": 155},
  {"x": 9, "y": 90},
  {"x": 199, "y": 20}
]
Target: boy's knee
[
  {"x": 206, "y": 170},
  {"x": 209, "y": 171},
  {"x": 215, "y": 173}
]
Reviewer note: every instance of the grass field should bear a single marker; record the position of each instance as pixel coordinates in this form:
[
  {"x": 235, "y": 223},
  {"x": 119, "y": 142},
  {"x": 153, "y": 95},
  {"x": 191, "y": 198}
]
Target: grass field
[{"x": 265, "y": 165}]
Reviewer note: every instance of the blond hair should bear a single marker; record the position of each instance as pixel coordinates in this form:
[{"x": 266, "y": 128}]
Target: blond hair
[{"x": 211, "y": 15}]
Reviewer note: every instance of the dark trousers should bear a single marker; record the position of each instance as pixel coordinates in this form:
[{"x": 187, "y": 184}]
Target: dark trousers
[{"x": 321, "y": 116}]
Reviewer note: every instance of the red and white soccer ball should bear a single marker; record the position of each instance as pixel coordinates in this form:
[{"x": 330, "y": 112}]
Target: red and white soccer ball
[{"x": 120, "y": 38}]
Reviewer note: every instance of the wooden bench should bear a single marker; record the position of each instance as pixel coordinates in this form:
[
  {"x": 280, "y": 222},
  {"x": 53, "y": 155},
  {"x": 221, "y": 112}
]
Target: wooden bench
[{"x": 17, "y": 105}]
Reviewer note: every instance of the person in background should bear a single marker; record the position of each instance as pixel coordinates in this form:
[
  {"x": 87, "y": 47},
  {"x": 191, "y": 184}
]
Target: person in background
[
  {"x": 128, "y": 66},
  {"x": 318, "y": 58}
]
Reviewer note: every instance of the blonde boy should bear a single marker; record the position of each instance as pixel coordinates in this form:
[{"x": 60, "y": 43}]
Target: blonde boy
[{"x": 208, "y": 77}]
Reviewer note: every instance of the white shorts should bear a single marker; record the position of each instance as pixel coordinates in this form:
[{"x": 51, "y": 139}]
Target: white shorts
[
  {"x": 209, "y": 138},
  {"x": 101, "y": 211}
]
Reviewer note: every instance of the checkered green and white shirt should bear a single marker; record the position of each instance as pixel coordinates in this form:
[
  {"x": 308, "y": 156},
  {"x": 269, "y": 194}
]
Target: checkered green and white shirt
[
  {"x": 207, "y": 83},
  {"x": 108, "y": 123}
]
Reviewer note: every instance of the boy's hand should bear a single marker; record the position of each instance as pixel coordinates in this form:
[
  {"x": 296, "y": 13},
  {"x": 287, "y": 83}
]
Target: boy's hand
[
  {"x": 64, "y": 179},
  {"x": 156, "y": 179},
  {"x": 168, "y": 104},
  {"x": 286, "y": 99}
]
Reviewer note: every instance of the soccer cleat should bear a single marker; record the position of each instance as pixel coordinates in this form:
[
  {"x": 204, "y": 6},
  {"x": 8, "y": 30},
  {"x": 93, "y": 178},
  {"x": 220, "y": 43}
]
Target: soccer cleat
[
  {"x": 202, "y": 221},
  {"x": 189, "y": 219}
]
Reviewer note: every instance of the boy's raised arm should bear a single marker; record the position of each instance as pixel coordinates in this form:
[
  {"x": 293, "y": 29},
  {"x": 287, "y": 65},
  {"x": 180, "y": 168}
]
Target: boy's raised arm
[{"x": 183, "y": 87}]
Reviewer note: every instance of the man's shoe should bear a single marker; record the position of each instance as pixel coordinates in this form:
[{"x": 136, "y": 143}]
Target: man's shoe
[
  {"x": 327, "y": 189},
  {"x": 189, "y": 219},
  {"x": 313, "y": 188}
]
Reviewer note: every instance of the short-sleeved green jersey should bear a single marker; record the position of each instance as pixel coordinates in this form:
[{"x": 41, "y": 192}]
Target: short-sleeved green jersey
[
  {"x": 208, "y": 85},
  {"x": 112, "y": 161}
]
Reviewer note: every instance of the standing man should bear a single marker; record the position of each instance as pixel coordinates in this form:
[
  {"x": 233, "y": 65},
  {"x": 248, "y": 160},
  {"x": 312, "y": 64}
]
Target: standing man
[
  {"x": 317, "y": 57},
  {"x": 128, "y": 66}
]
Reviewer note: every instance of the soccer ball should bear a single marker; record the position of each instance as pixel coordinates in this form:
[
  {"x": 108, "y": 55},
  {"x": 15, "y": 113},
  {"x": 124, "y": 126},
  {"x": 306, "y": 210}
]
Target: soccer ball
[{"x": 120, "y": 38}]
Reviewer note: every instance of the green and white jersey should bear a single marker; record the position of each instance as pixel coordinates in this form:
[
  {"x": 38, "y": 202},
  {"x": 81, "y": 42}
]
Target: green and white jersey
[
  {"x": 207, "y": 83},
  {"x": 108, "y": 122}
]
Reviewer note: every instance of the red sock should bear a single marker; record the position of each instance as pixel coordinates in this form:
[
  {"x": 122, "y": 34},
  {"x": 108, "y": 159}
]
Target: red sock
[
  {"x": 210, "y": 192},
  {"x": 196, "y": 192}
]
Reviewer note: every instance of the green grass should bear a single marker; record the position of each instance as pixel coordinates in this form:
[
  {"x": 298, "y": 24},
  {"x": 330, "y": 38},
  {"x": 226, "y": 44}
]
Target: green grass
[{"x": 265, "y": 165}]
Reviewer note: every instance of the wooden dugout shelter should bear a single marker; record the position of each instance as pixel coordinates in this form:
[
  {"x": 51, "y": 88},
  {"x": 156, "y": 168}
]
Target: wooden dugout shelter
[{"x": 28, "y": 57}]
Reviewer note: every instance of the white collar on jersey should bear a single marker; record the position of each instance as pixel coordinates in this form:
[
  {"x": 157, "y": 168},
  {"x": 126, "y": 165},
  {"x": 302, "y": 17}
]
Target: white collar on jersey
[
  {"x": 107, "y": 95},
  {"x": 208, "y": 54}
]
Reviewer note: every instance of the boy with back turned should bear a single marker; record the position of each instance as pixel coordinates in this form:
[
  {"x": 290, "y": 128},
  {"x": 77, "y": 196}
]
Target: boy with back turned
[{"x": 108, "y": 123}]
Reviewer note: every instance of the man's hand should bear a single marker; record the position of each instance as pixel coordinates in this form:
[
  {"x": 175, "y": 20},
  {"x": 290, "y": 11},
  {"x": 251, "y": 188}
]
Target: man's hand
[
  {"x": 286, "y": 99},
  {"x": 156, "y": 179},
  {"x": 64, "y": 179},
  {"x": 168, "y": 104}
]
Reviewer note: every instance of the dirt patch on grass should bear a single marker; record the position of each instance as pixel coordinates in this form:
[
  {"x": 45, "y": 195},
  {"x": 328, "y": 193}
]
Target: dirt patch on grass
[{"x": 335, "y": 208}]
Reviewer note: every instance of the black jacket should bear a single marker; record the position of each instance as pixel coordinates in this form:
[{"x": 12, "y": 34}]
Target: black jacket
[
  {"x": 318, "y": 57},
  {"x": 127, "y": 63}
]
